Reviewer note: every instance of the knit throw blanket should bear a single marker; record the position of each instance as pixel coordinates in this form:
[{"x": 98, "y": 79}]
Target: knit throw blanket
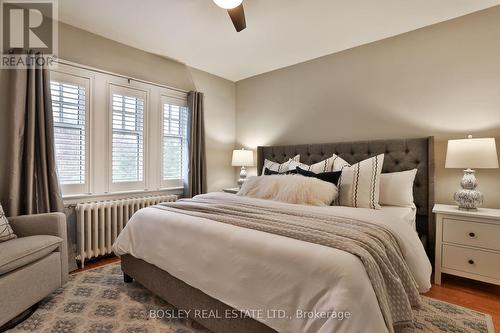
[{"x": 373, "y": 244}]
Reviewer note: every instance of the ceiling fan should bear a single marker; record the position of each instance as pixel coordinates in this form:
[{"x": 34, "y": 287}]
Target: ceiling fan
[{"x": 236, "y": 12}]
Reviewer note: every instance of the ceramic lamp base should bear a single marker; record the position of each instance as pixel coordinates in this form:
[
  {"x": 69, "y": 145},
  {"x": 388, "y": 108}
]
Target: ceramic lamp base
[
  {"x": 243, "y": 176},
  {"x": 468, "y": 198}
]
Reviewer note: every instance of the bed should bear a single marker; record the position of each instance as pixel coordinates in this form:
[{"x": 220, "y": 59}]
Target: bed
[{"x": 216, "y": 268}]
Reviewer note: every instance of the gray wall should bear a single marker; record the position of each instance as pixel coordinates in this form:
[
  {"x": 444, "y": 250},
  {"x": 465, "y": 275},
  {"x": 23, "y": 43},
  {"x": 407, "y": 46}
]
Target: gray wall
[
  {"x": 92, "y": 50},
  {"x": 220, "y": 127},
  {"x": 442, "y": 80}
]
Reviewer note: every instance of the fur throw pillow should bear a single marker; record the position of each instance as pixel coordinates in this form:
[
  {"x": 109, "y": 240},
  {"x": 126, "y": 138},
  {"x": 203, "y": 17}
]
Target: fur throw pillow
[{"x": 294, "y": 189}]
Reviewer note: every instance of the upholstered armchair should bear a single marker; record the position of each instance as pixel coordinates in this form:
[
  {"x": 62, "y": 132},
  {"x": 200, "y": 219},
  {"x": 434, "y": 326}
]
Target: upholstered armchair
[{"x": 34, "y": 264}]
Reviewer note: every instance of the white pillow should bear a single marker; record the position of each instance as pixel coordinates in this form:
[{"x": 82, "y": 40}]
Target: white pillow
[
  {"x": 281, "y": 168},
  {"x": 294, "y": 189},
  {"x": 396, "y": 188},
  {"x": 359, "y": 184},
  {"x": 334, "y": 163},
  {"x": 6, "y": 231},
  {"x": 339, "y": 163}
]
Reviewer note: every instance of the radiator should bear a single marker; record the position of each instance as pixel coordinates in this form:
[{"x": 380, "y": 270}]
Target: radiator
[{"x": 100, "y": 223}]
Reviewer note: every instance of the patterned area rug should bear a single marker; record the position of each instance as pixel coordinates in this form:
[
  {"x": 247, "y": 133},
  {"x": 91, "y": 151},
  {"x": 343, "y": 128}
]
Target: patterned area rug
[{"x": 98, "y": 301}]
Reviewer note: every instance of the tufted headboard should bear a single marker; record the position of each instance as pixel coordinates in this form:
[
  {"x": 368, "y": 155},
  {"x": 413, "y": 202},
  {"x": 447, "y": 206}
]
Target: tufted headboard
[{"x": 400, "y": 155}]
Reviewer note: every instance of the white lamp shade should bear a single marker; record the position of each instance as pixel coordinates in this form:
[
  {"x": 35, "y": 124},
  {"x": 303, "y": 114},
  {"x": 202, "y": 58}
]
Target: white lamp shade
[
  {"x": 242, "y": 158},
  {"x": 228, "y": 4},
  {"x": 472, "y": 153}
]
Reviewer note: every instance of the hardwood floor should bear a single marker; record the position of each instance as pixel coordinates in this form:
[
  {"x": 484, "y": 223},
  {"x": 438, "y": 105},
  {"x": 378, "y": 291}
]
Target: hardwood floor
[
  {"x": 97, "y": 263},
  {"x": 479, "y": 296}
]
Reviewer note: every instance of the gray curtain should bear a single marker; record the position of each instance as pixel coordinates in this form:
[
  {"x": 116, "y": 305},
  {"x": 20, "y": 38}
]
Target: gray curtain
[
  {"x": 30, "y": 185},
  {"x": 196, "y": 182}
]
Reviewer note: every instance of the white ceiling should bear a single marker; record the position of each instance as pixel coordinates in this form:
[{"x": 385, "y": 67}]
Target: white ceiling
[{"x": 279, "y": 32}]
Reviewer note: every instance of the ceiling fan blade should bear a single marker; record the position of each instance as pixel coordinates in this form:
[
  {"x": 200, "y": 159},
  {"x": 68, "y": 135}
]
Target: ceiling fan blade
[{"x": 237, "y": 15}]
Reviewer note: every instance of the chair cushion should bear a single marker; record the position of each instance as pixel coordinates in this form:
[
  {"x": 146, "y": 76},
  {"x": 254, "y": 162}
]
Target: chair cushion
[{"x": 22, "y": 251}]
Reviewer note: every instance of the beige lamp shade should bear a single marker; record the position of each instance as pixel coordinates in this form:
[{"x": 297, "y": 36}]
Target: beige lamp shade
[
  {"x": 472, "y": 153},
  {"x": 242, "y": 157}
]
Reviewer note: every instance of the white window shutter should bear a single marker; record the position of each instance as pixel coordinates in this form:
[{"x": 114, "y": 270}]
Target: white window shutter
[
  {"x": 127, "y": 138},
  {"x": 175, "y": 144},
  {"x": 69, "y": 112}
]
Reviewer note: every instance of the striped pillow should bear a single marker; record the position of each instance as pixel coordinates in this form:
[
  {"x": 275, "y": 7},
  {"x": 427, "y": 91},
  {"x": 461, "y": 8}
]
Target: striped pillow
[
  {"x": 359, "y": 184},
  {"x": 334, "y": 163},
  {"x": 6, "y": 232},
  {"x": 339, "y": 163},
  {"x": 279, "y": 167}
]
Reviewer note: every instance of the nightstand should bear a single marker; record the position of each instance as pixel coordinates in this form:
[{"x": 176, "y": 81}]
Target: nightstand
[
  {"x": 467, "y": 243},
  {"x": 233, "y": 190}
]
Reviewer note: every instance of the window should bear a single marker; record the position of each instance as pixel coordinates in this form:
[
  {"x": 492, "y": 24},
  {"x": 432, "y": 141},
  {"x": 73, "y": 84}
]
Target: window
[
  {"x": 114, "y": 135},
  {"x": 69, "y": 104},
  {"x": 127, "y": 138},
  {"x": 175, "y": 129}
]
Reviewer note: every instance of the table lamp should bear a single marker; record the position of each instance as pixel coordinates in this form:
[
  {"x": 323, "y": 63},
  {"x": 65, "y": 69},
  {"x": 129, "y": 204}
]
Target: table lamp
[
  {"x": 467, "y": 154},
  {"x": 242, "y": 158}
]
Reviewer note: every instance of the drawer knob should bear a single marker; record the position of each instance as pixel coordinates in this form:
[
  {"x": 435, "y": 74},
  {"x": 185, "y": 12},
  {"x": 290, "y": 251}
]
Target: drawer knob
[
  {"x": 472, "y": 235},
  {"x": 471, "y": 261}
]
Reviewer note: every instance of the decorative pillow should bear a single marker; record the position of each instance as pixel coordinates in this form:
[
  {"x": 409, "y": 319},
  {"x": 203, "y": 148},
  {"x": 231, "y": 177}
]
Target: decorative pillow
[
  {"x": 396, "y": 188},
  {"x": 280, "y": 168},
  {"x": 293, "y": 189},
  {"x": 359, "y": 184},
  {"x": 334, "y": 163},
  {"x": 268, "y": 172},
  {"x": 339, "y": 163},
  {"x": 331, "y": 177},
  {"x": 6, "y": 231}
]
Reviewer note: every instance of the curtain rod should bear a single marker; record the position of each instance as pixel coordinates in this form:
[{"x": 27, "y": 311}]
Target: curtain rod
[{"x": 72, "y": 64}]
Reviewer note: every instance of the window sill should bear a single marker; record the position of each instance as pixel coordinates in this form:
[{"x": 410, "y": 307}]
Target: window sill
[{"x": 79, "y": 198}]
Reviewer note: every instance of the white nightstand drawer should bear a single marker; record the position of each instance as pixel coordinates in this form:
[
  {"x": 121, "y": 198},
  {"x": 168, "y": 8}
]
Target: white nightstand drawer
[
  {"x": 471, "y": 261},
  {"x": 471, "y": 233}
]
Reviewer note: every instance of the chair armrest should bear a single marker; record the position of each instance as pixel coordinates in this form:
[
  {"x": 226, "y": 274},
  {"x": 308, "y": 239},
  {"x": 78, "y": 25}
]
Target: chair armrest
[{"x": 53, "y": 224}]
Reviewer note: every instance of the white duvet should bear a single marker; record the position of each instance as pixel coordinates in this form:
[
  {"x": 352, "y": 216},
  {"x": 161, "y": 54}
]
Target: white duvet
[{"x": 287, "y": 284}]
